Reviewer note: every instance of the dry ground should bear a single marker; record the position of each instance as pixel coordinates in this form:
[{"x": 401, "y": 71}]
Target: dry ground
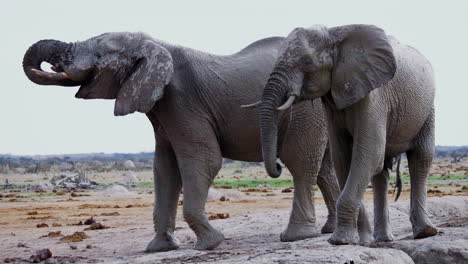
[{"x": 252, "y": 230}]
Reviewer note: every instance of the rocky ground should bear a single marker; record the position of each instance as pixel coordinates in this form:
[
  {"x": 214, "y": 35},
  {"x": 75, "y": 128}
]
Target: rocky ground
[
  {"x": 252, "y": 231},
  {"x": 250, "y": 218}
]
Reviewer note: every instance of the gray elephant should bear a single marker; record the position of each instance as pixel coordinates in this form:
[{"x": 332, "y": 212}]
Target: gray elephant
[
  {"x": 192, "y": 100},
  {"x": 379, "y": 100}
]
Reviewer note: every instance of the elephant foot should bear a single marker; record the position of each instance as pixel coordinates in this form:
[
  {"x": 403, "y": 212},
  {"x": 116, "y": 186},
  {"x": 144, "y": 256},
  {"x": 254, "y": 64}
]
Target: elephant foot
[
  {"x": 162, "y": 242},
  {"x": 424, "y": 231},
  {"x": 365, "y": 238},
  {"x": 296, "y": 232},
  {"x": 383, "y": 236},
  {"x": 343, "y": 236},
  {"x": 329, "y": 226},
  {"x": 209, "y": 241}
]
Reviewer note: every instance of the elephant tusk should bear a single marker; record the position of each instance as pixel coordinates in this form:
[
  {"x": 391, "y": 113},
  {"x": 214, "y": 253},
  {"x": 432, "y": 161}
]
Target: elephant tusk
[
  {"x": 254, "y": 105},
  {"x": 288, "y": 103},
  {"x": 51, "y": 75}
]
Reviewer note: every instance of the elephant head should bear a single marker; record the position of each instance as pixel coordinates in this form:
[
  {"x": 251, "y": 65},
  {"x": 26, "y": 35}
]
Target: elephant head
[
  {"x": 129, "y": 67},
  {"x": 343, "y": 63}
]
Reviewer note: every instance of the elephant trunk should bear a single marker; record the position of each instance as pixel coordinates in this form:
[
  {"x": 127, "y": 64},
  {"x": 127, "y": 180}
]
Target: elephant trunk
[
  {"x": 53, "y": 52},
  {"x": 273, "y": 96}
]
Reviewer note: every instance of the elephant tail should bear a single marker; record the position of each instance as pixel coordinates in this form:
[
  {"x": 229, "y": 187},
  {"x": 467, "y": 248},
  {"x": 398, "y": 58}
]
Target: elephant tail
[{"x": 398, "y": 185}]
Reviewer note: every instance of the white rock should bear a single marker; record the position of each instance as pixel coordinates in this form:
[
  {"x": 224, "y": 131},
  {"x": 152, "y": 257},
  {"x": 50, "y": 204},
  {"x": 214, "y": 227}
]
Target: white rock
[
  {"x": 118, "y": 191},
  {"x": 130, "y": 176},
  {"x": 216, "y": 194},
  {"x": 213, "y": 195},
  {"x": 233, "y": 195},
  {"x": 129, "y": 165}
]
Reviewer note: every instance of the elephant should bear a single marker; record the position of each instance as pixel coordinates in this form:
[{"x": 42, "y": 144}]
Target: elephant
[
  {"x": 192, "y": 100},
  {"x": 379, "y": 101}
]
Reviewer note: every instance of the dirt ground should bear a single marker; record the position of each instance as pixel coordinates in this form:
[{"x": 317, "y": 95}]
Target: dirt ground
[{"x": 252, "y": 228}]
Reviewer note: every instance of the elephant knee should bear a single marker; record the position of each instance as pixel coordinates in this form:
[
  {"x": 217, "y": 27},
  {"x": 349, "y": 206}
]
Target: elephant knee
[{"x": 192, "y": 216}]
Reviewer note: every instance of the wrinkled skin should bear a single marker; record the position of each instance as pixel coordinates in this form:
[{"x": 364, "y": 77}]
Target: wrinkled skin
[
  {"x": 192, "y": 100},
  {"x": 379, "y": 100}
]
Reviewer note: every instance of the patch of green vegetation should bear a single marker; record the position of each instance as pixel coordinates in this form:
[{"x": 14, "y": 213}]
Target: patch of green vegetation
[
  {"x": 280, "y": 183},
  {"x": 148, "y": 184},
  {"x": 435, "y": 177}
]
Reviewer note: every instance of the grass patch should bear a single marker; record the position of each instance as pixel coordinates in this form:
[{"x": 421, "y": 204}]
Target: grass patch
[
  {"x": 435, "y": 177},
  {"x": 148, "y": 184},
  {"x": 278, "y": 183}
]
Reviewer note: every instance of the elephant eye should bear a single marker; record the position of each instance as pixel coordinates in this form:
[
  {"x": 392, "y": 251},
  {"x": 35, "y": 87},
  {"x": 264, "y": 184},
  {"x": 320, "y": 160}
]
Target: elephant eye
[{"x": 97, "y": 55}]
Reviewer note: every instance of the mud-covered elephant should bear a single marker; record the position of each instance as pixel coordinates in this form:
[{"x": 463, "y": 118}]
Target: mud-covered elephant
[
  {"x": 192, "y": 99},
  {"x": 379, "y": 100}
]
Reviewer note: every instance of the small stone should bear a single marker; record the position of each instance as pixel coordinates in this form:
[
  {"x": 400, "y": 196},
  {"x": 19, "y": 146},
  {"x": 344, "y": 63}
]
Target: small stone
[
  {"x": 9, "y": 260},
  {"x": 90, "y": 221},
  {"x": 40, "y": 255}
]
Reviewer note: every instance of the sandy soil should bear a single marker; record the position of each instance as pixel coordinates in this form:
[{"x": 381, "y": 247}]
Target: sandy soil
[{"x": 252, "y": 231}]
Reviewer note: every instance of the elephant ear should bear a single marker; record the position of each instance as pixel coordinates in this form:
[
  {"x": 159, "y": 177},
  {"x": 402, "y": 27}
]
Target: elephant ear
[
  {"x": 363, "y": 61},
  {"x": 145, "y": 84}
]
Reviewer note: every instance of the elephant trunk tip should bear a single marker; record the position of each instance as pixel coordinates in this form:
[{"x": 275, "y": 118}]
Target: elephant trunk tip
[{"x": 277, "y": 172}]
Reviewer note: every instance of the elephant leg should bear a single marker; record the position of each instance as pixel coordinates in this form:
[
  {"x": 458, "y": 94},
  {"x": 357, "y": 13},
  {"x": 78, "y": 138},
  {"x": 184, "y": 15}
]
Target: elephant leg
[
  {"x": 304, "y": 165},
  {"x": 382, "y": 227},
  {"x": 353, "y": 225},
  {"x": 419, "y": 163},
  {"x": 302, "y": 219},
  {"x": 167, "y": 189},
  {"x": 198, "y": 165},
  {"x": 330, "y": 189}
]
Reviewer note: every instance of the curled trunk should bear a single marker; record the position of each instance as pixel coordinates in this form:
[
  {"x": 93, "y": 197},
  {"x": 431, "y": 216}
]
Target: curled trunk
[
  {"x": 51, "y": 51},
  {"x": 273, "y": 96}
]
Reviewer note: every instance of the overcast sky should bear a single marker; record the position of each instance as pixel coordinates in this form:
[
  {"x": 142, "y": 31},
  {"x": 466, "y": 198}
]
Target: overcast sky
[{"x": 49, "y": 120}]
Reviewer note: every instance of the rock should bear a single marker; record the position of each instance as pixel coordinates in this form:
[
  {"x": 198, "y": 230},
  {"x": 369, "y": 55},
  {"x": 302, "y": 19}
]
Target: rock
[
  {"x": 41, "y": 187},
  {"x": 440, "y": 249},
  {"x": 213, "y": 195},
  {"x": 130, "y": 176},
  {"x": 233, "y": 195},
  {"x": 90, "y": 221},
  {"x": 129, "y": 165},
  {"x": 42, "y": 225},
  {"x": 40, "y": 255},
  {"x": 118, "y": 191}
]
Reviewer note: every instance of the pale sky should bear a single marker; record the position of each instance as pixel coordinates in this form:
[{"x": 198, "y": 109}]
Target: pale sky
[{"x": 49, "y": 120}]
